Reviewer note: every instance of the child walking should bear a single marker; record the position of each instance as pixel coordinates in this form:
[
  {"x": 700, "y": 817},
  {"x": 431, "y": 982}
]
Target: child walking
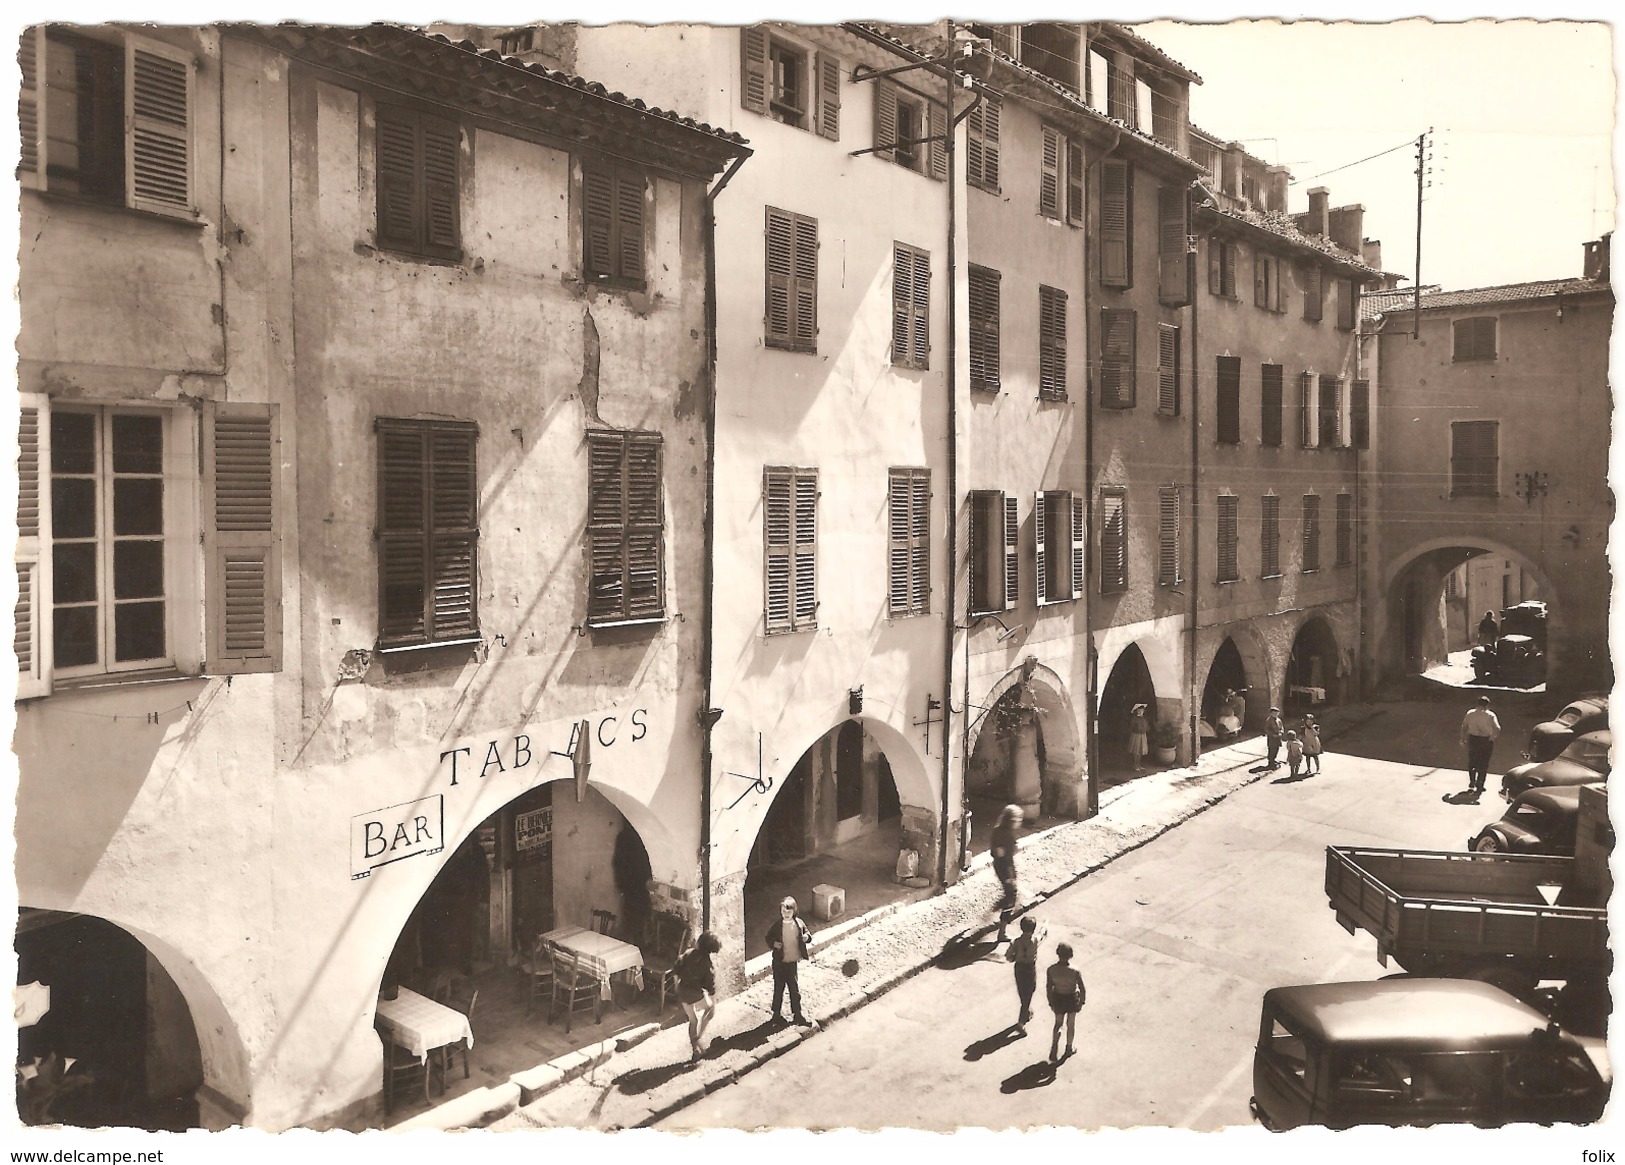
[
  {"x": 1023, "y": 953},
  {"x": 1064, "y": 986},
  {"x": 1294, "y": 753},
  {"x": 696, "y": 981},
  {"x": 1311, "y": 746}
]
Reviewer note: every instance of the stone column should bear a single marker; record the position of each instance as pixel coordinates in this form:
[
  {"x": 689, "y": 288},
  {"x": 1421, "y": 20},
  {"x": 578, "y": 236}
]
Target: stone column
[{"x": 728, "y": 924}]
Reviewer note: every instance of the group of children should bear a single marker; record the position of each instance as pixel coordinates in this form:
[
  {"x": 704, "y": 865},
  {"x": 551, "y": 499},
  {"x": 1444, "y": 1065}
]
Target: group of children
[
  {"x": 1303, "y": 748},
  {"x": 791, "y": 943},
  {"x": 1063, "y": 985}
]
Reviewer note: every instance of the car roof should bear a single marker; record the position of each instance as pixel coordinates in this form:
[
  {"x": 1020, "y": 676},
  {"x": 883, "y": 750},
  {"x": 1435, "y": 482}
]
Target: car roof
[
  {"x": 1600, "y": 736},
  {"x": 1550, "y": 796},
  {"x": 1438, "y": 1014}
]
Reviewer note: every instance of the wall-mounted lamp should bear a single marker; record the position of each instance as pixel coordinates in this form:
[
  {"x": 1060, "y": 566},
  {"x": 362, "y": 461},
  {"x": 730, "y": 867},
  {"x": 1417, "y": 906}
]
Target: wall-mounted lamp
[
  {"x": 1005, "y": 632},
  {"x": 854, "y": 701}
]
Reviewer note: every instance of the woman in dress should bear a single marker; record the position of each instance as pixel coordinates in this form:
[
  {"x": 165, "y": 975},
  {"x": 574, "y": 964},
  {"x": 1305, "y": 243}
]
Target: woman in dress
[{"x": 1139, "y": 737}]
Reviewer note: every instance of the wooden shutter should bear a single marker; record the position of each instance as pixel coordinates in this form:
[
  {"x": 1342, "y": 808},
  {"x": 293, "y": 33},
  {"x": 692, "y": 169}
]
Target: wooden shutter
[
  {"x": 1271, "y": 377},
  {"x": 1012, "y": 551},
  {"x": 1074, "y": 181},
  {"x": 1173, "y": 232},
  {"x": 441, "y": 143},
  {"x": 753, "y": 70},
  {"x": 1049, "y": 178},
  {"x": 806, "y": 548},
  {"x": 920, "y": 309},
  {"x": 1260, "y": 280},
  {"x": 1229, "y": 275},
  {"x": 242, "y": 458},
  {"x": 1229, "y": 399},
  {"x": 1117, "y": 330},
  {"x": 1168, "y": 535},
  {"x": 1360, "y": 414},
  {"x": 630, "y": 191},
  {"x": 1075, "y": 501},
  {"x": 1474, "y": 458},
  {"x": 1115, "y": 218},
  {"x": 1347, "y": 303},
  {"x": 827, "y": 91},
  {"x": 1313, "y": 293},
  {"x": 31, "y": 630},
  {"x": 984, "y": 327},
  {"x": 1229, "y": 569},
  {"x": 911, "y": 292},
  {"x": 30, "y": 108},
  {"x": 454, "y": 528},
  {"x": 805, "y": 285},
  {"x": 1168, "y": 379},
  {"x": 645, "y": 528},
  {"x": 1311, "y": 532},
  {"x": 982, "y": 144},
  {"x": 1270, "y": 536},
  {"x": 778, "y": 533},
  {"x": 1041, "y": 549},
  {"x": 1306, "y": 410},
  {"x": 885, "y": 101},
  {"x": 778, "y": 325},
  {"x": 397, "y": 177},
  {"x": 157, "y": 127},
  {"x": 1113, "y": 541},
  {"x": 1345, "y": 529},
  {"x": 606, "y": 531},
  {"x": 937, "y": 148},
  {"x": 1331, "y": 412},
  {"x": 1215, "y": 266},
  {"x": 920, "y": 541},
  {"x": 403, "y": 532},
  {"x": 1051, "y": 343},
  {"x": 1474, "y": 338}
]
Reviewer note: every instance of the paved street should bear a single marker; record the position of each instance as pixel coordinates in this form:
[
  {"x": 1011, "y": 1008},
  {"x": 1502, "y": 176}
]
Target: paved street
[{"x": 1177, "y": 942}]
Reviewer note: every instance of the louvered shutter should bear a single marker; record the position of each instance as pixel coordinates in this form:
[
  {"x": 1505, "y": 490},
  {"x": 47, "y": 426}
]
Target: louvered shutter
[
  {"x": 1270, "y": 537},
  {"x": 31, "y": 630},
  {"x": 1345, "y": 529},
  {"x": 922, "y": 309},
  {"x": 937, "y": 147},
  {"x": 1114, "y": 223},
  {"x": 982, "y": 144},
  {"x": 1271, "y": 404},
  {"x": 920, "y": 541},
  {"x": 1475, "y": 458},
  {"x": 157, "y": 127},
  {"x": 1049, "y": 178},
  {"x": 397, "y": 177},
  {"x": 606, "y": 530},
  {"x": 1474, "y": 338},
  {"x": 777, "y": 535},
  {"x": 630, "y": 192},
  {"x": 1229, "y": 277},
  {"x": 753, "y": 70},
  {"x": 30, "y": 102},
  {"x": 805, "y": 285},
  {"x": 898, "y": 506},
  {"x": 1229, "y": 567},
  {"x": 1331, "y": 412},
  {"x": 1076, "y": 502},
  {"x": 828, "y": 88},
  {"x": 1347, "y": 304},
  {"x": 598, "y": 223},
  {"x": 984, "y": 328},
  {"x": 1311, "y": 532},
  {"x": 454, "y": 534},
  {"x": 1306, "y": 410},
  {"x": 778, "y": 325},
  {"x": 1313, "y": 293},
  {"x": 1040, "y": 549},
  {"x": 1168, "y": 370},
  {"x": 806, "y": 548},
  {"x": 885, "y": 102},
  {"x": 1113, "y": 541},
  {"x": 1260, "y": 280},
  {"x": 1168, "y": 536},
  {"x": 1215, "y": 266},
  {"x": 1360, "y": 414},
  {"x": 902, "y": 301},
  {"x": 1117, "y": 328},
  {"x": 1229, "y": 399},
  {"x": 645, "y": 530},
  {"x": 403, "y": 533},
  {"x": 1012, "y": 551},
  {"x": 242, "y": 582},
  {"x": 441, "y": 230},
  {"x": 1173, "y": 231},
  {"x": 1074, "y": 181},
  {"x": 1051, "y": 343}
]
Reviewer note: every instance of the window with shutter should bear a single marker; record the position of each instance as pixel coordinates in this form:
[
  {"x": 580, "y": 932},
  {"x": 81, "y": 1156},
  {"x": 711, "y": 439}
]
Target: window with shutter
[
  {"x": 1345, "y": 529},
  {"x": 885, "y": 111},
  {"x": 417, "y": 180},
  {"x": 1058, "y": 533},
  {"x": 613, "y": 225},
  {"x": 1348, "y": 304},
  {"x": 1229, "y": 399},
  {"x": 1173, "y": 233},
  {"x": 1221, "y": 269},
  {"x": 1168, "y": 535},
  {"x": 909, "y": 507},
  {"x": 787, "y": 84},
  {"x": 1269, "y": 565},
  {"x": 1474, "y": 339},
  {"x": 992, "y": 581},
  {"x": 1311, "y": 532},
  {"x": 1116, "y": 223},
  {"x": 1313, "y": 293},
  {"x": 625, "y": 528},
  {"x": 984, "y": 328},
  {"x": 1012, "y": 551},
  {"x": 1331, "y": 412},
  {"x": 1169, "y": 387},
  {"x": 1051, "y": 343},
  {"x": 1271, "y": 405},
  {"x": 1475, "y": 459},
  {"x": 1113, "y": 540},
  {"x": 982, "y": 144},
  {"x": 242, "y": 543},
  {"x": 791, "y": 314},
  {"x": 909, "y": 150},
  {"x": 829, "y": 96},
  {"x": 1306, "y": 410},
  {"x": 1266, "y": 281},
  {"x": 911, "y": 306},
  {"x": 1360, "y": 414},
  {"x": 790, "y": 546},
  {"x": 1229, "y": 568},
  {"x": 1049, "y": 175},
  {"x": 1074, "y": 181},
  {"x": 428, "y": 533},
  {"x": 1117, "y": 329},
  {"x": 31, "y": 627}
]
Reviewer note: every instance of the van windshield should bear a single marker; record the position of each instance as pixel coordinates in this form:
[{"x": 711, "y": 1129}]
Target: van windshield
[{"x": 1458, "y": 1079}]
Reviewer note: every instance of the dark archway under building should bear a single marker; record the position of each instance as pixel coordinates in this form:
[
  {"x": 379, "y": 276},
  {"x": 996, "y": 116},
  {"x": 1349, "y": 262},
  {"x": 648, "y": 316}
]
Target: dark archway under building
[{"x": 1129, "y": 684}]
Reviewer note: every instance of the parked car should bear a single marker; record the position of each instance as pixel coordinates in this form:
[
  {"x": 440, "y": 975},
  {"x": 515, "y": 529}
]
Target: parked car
[
  {"x": 1518, "y": 657},
  {"x": 1550, "y": 737},
  {"x": 1581, "y": 763},
  {"x": 1541, "y": 821}
]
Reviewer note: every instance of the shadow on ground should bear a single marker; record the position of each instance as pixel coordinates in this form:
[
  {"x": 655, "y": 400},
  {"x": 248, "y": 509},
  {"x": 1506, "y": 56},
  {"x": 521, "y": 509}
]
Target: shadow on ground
[
  {"x": 1036, "y": 1075},
  {"x": 961, "y": 951},
  {"x": 990, "y": 1044}
]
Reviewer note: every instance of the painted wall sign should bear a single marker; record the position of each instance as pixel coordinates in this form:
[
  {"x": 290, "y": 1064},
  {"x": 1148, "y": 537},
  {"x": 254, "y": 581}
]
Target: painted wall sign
[
  {"x": 533, "y": 833},
  {"x": 516, "y": 752},
  {"x": 407, "y": 830}
]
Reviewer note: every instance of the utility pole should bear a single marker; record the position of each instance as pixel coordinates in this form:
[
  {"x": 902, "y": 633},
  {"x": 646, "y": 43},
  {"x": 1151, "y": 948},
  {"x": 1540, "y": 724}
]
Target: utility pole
[{"x": 1421, "y": 169}]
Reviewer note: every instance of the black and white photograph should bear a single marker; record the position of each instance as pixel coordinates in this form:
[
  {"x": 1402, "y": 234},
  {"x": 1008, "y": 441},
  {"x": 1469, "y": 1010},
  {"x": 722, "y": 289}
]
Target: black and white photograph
[{"x": 707, "y": 571}]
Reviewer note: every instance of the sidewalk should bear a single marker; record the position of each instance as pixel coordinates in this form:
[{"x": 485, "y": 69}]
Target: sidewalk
[{"x": 646, "y": 1083}]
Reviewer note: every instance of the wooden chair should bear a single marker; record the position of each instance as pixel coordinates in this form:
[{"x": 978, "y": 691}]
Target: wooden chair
[
  {"x": 603, "y": 921},
  {"x": 462, "y": 998},
  {"x": 578, "y": 986},
  {"x": 401, "y": 1069},
  {"x": 665, "y": 939},
  {"x": 538, "y": 970}
]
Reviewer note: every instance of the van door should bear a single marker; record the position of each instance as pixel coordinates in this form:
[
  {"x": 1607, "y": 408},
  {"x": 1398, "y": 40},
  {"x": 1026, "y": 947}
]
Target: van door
[{"x": 1282, "y": 1074}]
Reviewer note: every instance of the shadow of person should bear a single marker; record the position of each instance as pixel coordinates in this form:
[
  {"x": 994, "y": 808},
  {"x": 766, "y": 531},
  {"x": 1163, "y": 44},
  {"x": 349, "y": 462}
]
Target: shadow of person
[
  {"x": 1036, "y": 1075},
  {"x": 1464, "y": 797},
  {"x": 961, "y": 951},
  {"x": 744, "y": 1041},
  {"x": 647, "y": 1079},
  {"x": 1289, "y": 779},
  {"x": 994, "y": 1042}
]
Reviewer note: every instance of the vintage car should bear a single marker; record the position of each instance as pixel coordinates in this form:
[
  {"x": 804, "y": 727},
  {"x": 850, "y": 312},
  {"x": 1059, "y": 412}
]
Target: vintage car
[
  {"x": 1541, "y": 821},
  {"x": 1518, "y": 657},
  {"x": 1584, "y": 714},
  {"x": 1583, "y": 762}
]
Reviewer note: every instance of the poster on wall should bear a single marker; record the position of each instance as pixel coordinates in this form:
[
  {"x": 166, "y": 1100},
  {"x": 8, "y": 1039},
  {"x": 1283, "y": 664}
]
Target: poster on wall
[{"x": 533, "y": 835}]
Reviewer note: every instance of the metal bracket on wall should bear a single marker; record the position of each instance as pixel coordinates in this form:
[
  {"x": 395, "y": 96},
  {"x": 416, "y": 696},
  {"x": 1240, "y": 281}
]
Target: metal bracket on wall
[
  {"x": 932, "y": 704},
  {"x": 758, "y": 783}
]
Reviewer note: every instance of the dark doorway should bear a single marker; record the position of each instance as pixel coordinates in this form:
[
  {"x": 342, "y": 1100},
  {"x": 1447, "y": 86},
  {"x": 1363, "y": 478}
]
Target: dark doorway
[
  {"x": 849, "y": 771},
  {"x": 1224, "y": 703},
  {"x": 1129, "y": 684},
  {"x": 1311, "y": 670}
]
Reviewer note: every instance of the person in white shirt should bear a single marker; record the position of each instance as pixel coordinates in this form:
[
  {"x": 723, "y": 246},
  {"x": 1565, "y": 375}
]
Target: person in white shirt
[
  {"x": 1479, "y": 728},
  {"x": 791, "y": 943}
]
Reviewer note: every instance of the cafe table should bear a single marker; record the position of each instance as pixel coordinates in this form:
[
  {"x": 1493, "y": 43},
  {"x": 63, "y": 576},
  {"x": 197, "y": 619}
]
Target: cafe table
[
  {"x": 420, "y": 1025},
  {"x": 600, "y": 955}
]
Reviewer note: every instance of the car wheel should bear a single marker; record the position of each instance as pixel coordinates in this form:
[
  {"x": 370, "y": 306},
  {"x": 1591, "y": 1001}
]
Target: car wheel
[{"x": 1488, "y": 843}]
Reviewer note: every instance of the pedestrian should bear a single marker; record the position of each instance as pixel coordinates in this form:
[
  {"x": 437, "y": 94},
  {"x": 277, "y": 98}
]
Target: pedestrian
[
  {"x": 1309, "y": 733},
  {"x": 1273, "y": 727},
  {"x": 1294, "y": 753},
  {"x": 1003, "y": 847},
  {"x": 1139, "y": 737},
  {"x": 696, "y": 984},
  {"x": 791, "y": 943},
  {"x": 1229, "y": 717},
  {"x": 1488, "y": 630},
  {"x": 1023, "y": 953},
  {"x": 1479, "y": 728},
  {"x": 1064, "y": 988}
]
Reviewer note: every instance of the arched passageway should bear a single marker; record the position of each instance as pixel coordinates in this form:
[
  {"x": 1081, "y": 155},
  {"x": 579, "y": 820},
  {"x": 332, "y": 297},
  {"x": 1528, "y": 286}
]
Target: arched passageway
[
  {"x": 1313, "y": 668},
  {"x": 1129, "y": 684},
  {"x": 1024, "y": 751},
  {"x": 1225, "y": 703},
  {"x": 1437, "y": 605}
]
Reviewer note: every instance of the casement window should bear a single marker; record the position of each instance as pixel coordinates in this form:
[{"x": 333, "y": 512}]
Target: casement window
[
  {"x": 1116, "y": 234},
  {"x": 1360, "y": 414},
  {"x": 982, "y": 144},
  {"x": 791, "y": 313},
  {"x": 428, "y": 533},
  {"x": 1229, "y": 399},
  {"x": 418, "y": 195},
  {"x": 1165, "y": 119},
  {"x": 1269, "y": 537},
  {"x": 1169, "y": 381},
  {"x": 109, "y": 499},
  {"x": 1474, "y": 339},
  {"x": 614, "y": 225},
  {"x": 911, "y": 307},
  {"x": 1060, "y": 185},
  {"x": 1271, "y": 406},
  {"x": 626, "y": 533},
  {"x": 1051, "y": 343},
  {"x": 1221, "y": 267},
  {"x": 1113, "y": 540},
  {"x": 1314, "y": 293},
  {"x": 1475, "y": 459},
  {"x": 908, "y": 588},
  {"x": 1168, "y": 536},
  {"x": 1173, "y": 245},
  {"x": 1117, "y": 330},
  {"x": 909, "y": 131},
  {"x": 1307, "y": 430},
  {"x": 995, "y": 551},
  {"x": 984, "y": 328},
  {"x": 790, "y": 548},
  {"x": 1311, "y": 532},
  {"x": 1229, "y": 569},
  {"x": 107, "y": 117},
  {"x": 1058, "y": 543},
  {"x": 1348, "y": 304},
  {"x": 1267, "y": 282},
  {"x": 1345, "y": 529},
  {"x": 782, "y": 80},
  {"x": 1331, "y": 412},
  {"x": 1119, "y": 92}
]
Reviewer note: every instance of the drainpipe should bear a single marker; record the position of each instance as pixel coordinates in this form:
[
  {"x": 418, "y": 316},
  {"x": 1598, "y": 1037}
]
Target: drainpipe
[
  {"x": 708, "y": 571},
  {"x": 950, "y": 627},
  {"x": 1195, "y": 737}
]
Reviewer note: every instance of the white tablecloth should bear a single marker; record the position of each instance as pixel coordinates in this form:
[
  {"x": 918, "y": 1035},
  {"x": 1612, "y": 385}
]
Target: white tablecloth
[
  {"x": 603, "y": 956},
  {"x": 419, "y": 1024}
]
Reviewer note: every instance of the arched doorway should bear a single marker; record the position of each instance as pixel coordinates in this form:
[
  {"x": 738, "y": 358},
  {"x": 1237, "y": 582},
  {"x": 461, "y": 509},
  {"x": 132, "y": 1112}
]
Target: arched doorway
[
  {"x": 114, "y": 1011},
  {"x": 1312, "y": 668},
  {"x": 1128, "y": 684},
  {"x": 1225, "y": 703},
  {"x": 1436, "y": 603},
  {"x": 1023, "y": 751}
]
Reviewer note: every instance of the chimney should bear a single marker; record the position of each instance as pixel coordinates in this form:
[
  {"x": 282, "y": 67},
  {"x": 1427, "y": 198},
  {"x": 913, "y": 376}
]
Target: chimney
[
  {"x": 1347, "y": 227},
  {"x": 1234, "y": 161},
  {"x": 1598, "y": 260},
  {"x": 1279, "y": 176},
  {"x": 1371, "y": 253},
  {"x": 1318, "y": 200}
]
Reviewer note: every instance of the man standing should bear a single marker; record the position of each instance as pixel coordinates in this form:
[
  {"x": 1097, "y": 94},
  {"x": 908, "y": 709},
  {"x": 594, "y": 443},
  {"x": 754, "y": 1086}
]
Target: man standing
[
  {"x": 1273, "y": 730},
  {"x": 1479, "y": 728}
]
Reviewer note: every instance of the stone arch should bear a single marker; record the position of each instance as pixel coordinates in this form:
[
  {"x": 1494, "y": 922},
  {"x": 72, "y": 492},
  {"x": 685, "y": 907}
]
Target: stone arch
[
  {"x": 1254, "y": 654},
  {"x": 1313, "y": 638},
  {"x": 1062, "y": 767}
]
